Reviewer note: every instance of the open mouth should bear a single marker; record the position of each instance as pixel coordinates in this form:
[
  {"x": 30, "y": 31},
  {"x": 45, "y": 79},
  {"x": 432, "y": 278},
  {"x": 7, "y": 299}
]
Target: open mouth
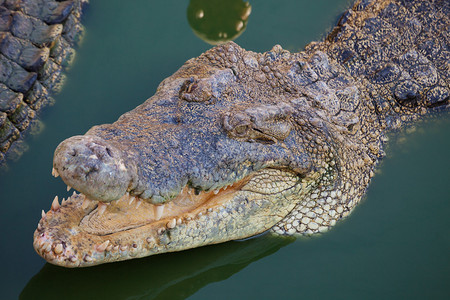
[{"x": 83, "y": 232}]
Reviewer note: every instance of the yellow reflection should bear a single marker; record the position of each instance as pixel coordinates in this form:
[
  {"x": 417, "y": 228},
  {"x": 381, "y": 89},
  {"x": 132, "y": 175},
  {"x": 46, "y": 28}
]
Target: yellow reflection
[{"x": 218, "y": 21}]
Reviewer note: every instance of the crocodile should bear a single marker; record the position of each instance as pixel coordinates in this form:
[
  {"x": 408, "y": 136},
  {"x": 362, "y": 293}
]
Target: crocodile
[
  {"x": 37, "y": 40},
  {"x": 236, "y": 143}
]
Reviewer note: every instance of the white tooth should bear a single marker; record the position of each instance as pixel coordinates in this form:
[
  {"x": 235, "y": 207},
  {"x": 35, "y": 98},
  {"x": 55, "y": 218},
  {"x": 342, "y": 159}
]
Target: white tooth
[
  {"x": 131, "y": 200},
  {"x": 216, "y": 192},
  {"x": 43, "y": 214},
  {"x": 55, "y": 173},
  {"x": 55, "y": 204},
  {"x": 159, "y": 209},
  {"x": 74, "y": 193},
  {"x": 68, "y": 188},
  {"x": 171, "y": 224},
  {"x": 179, "y": 221},
  {"x": 47, "y": 247},
  {"x": 189, "y": 191},
  {"x": 138, "y": 203},
  {"x": 63, "y": 201},
  {"x": 225, "y": 187},
  {"x": 102, "y": 246},
  {"x": 58, "y": 249},
  {"x": 101, "y": 208}
]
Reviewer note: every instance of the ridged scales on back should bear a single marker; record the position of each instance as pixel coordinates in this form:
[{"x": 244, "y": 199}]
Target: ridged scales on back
[
  {"x": 236, "y": 143},
  {"x": 384, "y": 65},
  {"x": 37, "y": 40}
]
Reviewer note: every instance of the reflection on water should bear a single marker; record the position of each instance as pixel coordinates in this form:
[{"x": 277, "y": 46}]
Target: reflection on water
[
  {"x": 218, "y": 21},
  {"x": 167, "y": 276}
]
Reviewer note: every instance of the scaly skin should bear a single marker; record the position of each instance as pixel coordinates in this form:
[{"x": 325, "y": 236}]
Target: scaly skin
[
  {"x": 37, "y": 40},
  {"x": 236, "y": 143}
]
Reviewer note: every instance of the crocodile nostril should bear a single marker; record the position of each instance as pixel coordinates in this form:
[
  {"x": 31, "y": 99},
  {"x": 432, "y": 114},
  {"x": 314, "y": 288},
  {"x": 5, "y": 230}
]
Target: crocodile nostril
[
  {"x": 94, "y": 167},
  {"x": 109, "y": 152}
]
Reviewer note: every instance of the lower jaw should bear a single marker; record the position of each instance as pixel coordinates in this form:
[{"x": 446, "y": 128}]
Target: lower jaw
[{"x": 66, "y": 236}]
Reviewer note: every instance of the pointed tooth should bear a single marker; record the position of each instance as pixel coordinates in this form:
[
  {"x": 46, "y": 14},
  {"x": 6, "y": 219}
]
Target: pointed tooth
[
  {"x": 58, "y": 248},
  {"x": 68, "y": 188},
  {"x": 101, "y": 208},
  {"x": 74, "y": 193},
  {"x": 63, "y": 201},
  {"x": 171, "y": 224},
  {"x": 139, "y": 202},
  {"x": 39, "y": 227},
  {"x": 43, "y": 214},
  {"x": 87, "y": 258},
  {"x": 102, "y": 246},
  {"x": 131, "y": 200},
  {"x": 225, "y": 187},
  {"x": 55, "y": 173},
  {"x": 179, "y": 221},
  {"x": 159, "y": 210},
  {"x": 46, "y": 247},
  {"x": 216, "y": 192},
  {"x": 55, "y": 204},
  {"x": 73, "y": 259}
]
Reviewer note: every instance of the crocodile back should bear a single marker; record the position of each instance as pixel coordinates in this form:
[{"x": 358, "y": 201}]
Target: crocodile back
[{"x": 398, "y": 53}]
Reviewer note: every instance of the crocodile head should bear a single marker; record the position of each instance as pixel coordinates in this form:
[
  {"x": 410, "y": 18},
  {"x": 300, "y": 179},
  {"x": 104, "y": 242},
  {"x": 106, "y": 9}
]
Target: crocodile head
[{"x": 224, "y": 150}]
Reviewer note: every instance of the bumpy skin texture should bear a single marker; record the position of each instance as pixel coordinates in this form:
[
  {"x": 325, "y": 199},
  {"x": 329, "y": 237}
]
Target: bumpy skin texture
[
  {"x": 37, "y": 39},
  {"x": 298, "y": 134}
]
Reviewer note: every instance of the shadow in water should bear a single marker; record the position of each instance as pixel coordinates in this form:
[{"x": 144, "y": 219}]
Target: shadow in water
[
  {"x": 218, "y": 21},
  {"x": 167, "y": 276}
]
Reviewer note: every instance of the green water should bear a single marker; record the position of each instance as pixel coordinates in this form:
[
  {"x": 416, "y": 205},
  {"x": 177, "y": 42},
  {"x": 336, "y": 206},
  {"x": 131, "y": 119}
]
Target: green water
[{"x": 396, "y": 245}]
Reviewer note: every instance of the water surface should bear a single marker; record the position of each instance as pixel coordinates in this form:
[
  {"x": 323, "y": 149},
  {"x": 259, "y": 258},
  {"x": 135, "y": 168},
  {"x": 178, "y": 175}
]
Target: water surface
[{"x": 394, "y": 246}]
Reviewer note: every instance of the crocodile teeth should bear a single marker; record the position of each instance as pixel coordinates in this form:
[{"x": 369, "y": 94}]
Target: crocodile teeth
[
  {"x": 43, "y": 214},
  {"x": 216, "y": 192},
  {"x": 171, "y": 224},
  {"x": 58, "y": 249},
  {"x": 55, "y": 204},
  {"x": 55, "y": 173},
  {"x": 101, "y": 208},
  {"x": 68, "y": 188},
  {"x": 46, "y": 247},
  {"x": 159, "y": 209},
  {"x": 102, "y": 246},
  {"x": 131, "y": 200}
]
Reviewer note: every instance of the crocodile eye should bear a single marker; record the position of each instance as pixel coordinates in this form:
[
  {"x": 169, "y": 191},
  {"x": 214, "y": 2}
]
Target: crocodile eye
[{"x": 266, "y": 124}]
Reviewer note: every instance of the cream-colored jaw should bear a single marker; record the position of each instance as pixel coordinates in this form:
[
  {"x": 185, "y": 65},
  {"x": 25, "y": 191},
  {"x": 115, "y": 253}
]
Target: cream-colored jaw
[
  {"x": 131, "y": 212},
  {"x": 83, "y": 232}
]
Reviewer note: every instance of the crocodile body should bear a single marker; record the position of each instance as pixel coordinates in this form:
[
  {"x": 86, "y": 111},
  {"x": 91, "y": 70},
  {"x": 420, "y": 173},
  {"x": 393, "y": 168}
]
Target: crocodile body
[
  {"x": 236, "y": 143},
  {"x": 37, "y": 40}
]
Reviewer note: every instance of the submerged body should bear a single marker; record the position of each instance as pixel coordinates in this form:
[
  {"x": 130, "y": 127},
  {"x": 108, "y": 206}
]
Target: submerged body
[
  {"x": 37, "y": 40},
  {"x": 236, "y": 143}
]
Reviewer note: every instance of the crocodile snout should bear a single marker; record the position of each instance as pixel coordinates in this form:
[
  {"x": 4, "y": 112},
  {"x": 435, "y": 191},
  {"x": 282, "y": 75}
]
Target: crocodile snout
[{"x": 94, "y": 167}]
